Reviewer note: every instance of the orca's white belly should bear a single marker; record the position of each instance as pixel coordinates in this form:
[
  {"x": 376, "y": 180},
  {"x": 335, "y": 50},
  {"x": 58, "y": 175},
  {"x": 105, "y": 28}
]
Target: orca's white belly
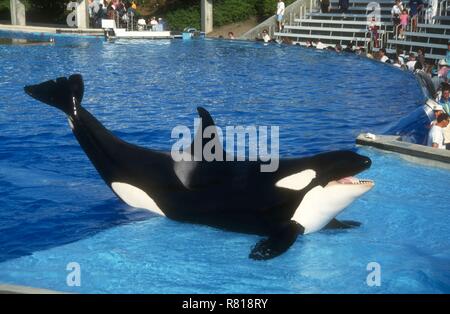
[{"x": 321, "y": 205}]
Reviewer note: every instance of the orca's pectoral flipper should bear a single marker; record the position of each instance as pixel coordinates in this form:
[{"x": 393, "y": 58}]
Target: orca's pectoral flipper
[
  {"x": 63, "y": 93},
  {"x": 277, "y": 243},
  {"x": 343, "y": 224}
]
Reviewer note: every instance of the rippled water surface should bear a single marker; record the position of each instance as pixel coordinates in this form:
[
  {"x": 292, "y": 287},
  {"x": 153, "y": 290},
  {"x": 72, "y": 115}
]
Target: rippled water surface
[{"x": 55, "y": 209}]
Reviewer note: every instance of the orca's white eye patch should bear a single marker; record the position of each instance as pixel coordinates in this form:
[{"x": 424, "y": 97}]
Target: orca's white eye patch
[
  {"x": 135, "y": 197},
  {"x": 297, "y": 181}
]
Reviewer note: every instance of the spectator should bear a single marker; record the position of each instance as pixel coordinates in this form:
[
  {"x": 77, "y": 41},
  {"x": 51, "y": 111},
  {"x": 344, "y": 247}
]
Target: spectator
[
  {"x": 443, "y": 68},
  {"x": 404, "y": 56},
  {"x": 436, "y": 134},
  {"x": 395, "y": 12},
  {"x": 161, "y": 24},
  {"x": 411, "y": 62},
  {"x": 399, "y": 57},
  {"x": 431, "y": 11},
  {"x": 320, "y": 45},
  {"x": 382, "y": 56},
  {"x": 153, "y": 21},
  {"x": 141, "y": 24},
  {"x": 287, "y": 40},
  {"x": 231, "y": 35},
  {"x": 404, "y": 19},
  {"x": 418, "y": 67},
  {"x": 131, "y": 10},
  {"x": 360, "y": 51},
  {"x": 445, "y": 100},
  {"x": 343, "y": 6},
  {"x": 325, "y": 6},
  {"x": 373, "y": 29},
  {"x": 447, "y": 56},
  {"x": 437, "y": 111},
  {"x": 421, "y": 57},
  {"x": 397, "y": 63},
  {"x": 415, "y": 6},
  {"x": 349, "y": 47},
  {"x": 280, "y": 14},
  {"x": 111, "y": 11},
  {"x": 265, "y": 36}
]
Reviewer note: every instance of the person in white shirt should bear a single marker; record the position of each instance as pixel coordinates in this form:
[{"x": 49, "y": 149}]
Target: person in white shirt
[
  {"x": 141, "y": 24},
  {"x": 437, "y": 110},
  {"x": 320, "y": 45},
  {"x": 265, "y": 36},
  {"x": 383, "y": 57},
  {"x": 280, "y": 14},
  {"x": 411, "y": 62},
  {"x": 431, "y": 11},
  {"x": 436, "y": 135},
  {"x": 395, "y": 12}
]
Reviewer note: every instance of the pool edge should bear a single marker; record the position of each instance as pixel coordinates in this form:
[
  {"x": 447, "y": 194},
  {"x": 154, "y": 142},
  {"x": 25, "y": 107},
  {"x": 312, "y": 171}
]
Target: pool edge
[{"x": 16, "y": 289}]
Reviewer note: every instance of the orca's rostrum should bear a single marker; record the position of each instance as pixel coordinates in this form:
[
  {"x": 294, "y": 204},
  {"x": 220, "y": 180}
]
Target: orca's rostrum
[{"x": 302, "y": 196}]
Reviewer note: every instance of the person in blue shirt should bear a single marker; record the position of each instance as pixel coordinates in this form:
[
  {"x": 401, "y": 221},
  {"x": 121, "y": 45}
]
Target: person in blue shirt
[
  {"x": 447, "y": 56},
  {"x": 343, "y": 6},
  {"x": 415, "y": 6},
  {"x": 445, "y": 100}
]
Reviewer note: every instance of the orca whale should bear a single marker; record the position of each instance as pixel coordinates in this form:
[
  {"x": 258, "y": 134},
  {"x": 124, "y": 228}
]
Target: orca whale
[{"x": 302, "y": 196}]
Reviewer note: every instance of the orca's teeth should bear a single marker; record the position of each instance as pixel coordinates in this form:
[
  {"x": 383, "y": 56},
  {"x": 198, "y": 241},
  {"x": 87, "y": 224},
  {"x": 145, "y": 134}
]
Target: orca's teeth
[{"x": 365, "y": 182}]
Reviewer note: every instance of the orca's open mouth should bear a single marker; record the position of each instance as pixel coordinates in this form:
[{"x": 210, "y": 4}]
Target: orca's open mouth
[{"x": 352, "y": 181}]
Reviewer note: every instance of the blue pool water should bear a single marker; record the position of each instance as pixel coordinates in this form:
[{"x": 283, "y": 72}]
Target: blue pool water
[{"x": 54, "y": 208}]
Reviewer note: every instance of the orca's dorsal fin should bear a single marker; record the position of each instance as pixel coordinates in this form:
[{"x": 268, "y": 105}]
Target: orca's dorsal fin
[
  {"x": 199, "y": 141},
  {"x": 63, "y": 93}
]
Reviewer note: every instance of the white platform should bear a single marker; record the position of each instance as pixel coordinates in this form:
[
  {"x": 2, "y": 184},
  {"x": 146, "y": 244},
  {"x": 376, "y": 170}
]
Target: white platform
[{"x": 123, "y": 33}]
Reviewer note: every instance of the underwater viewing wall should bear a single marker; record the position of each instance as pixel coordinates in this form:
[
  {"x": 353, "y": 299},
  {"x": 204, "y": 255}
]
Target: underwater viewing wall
[{"x": 415, "y": 126}]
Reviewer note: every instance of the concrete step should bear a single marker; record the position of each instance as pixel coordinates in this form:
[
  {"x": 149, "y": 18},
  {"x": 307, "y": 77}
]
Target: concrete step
[
  {"x": 434, "y": 56},
  {"x": 329, "y": 29},
  {"x": 345, "y": 22},
  {"x": 442, "y": 18},
  {"x": 346, "y": 16},
  {"x": 434, "y": 26},
  {"x": 317, "y": 36},
  {"x": 363, "y": 8},
  {"x": 391, "y": 2},
  {"x": 416, "y": 44},
  {"x": 427, "y": 55},
  {"x": 428, "y": 35}
]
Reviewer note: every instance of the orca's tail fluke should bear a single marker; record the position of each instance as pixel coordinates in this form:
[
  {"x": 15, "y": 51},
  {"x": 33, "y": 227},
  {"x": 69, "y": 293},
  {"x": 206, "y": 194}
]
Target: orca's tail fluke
[{"x": 63, "y": 93}]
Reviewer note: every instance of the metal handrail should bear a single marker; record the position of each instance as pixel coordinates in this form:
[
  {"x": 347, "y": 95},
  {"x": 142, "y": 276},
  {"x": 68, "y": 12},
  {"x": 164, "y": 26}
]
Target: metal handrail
[{"x": 300, "y": 7}]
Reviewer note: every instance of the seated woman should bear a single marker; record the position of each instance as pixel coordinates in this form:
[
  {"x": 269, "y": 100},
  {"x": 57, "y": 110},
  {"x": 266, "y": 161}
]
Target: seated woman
[{"x": 325, "y": 6}]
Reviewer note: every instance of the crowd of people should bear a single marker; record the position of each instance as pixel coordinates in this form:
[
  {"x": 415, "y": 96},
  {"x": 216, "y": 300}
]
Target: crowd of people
[
  {"x": 439, "y": 74},
  {"x": 124, "y": 12},
  {"x": 439, "y": 134}
]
